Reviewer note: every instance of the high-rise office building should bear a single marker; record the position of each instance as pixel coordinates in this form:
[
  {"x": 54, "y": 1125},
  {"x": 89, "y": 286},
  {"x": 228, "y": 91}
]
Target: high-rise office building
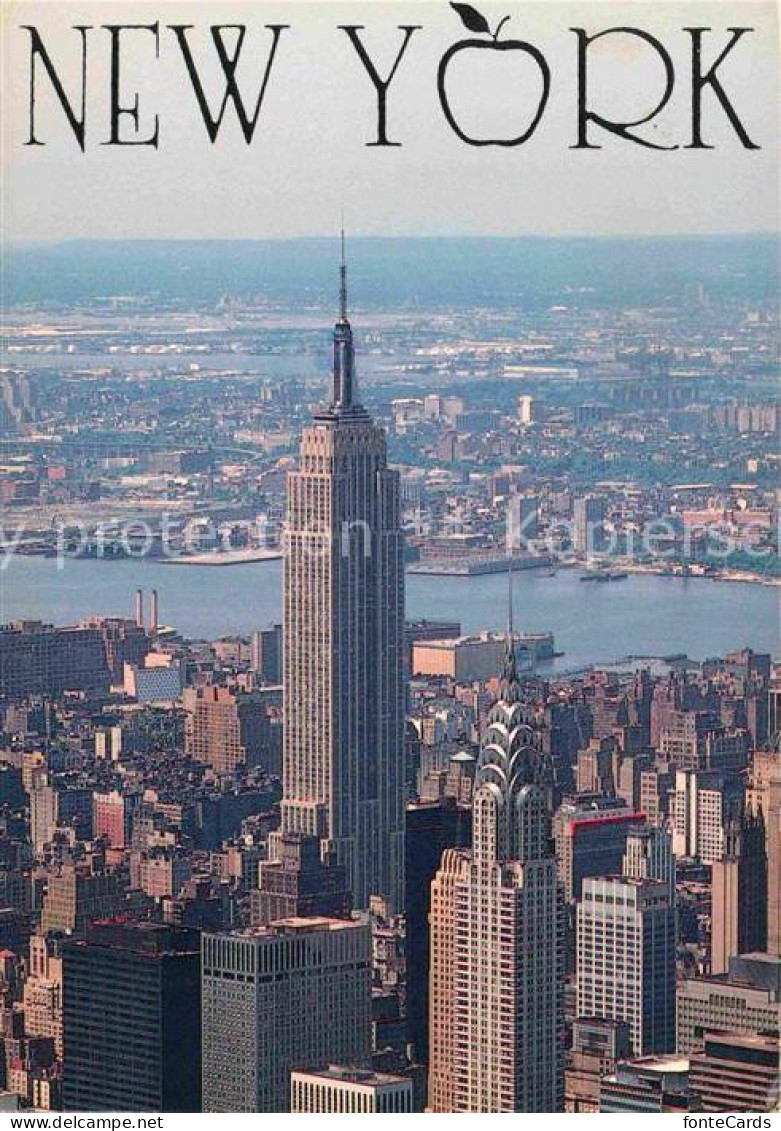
[
  {"x": 496, "y": 993},
  {"x": 591, "y": 833},
  {"x": 44, "y": 812},
  {"x": 42, "y": 995},
  {"x": 111, "y": 817},
  {"x": 296, "y": 994},
  {"x": 525, "y": 409},
  {"x": 738, "y": 891},
  {"x": 701, "y": 804},
  {"x": 108, "y": 743},
  {"x": 597, "y": 1045},
  {"x": 588, "y": 535},
  {"x": 695, "y": 740},
  {"x": 649, "y": 856},
  {"x": 343, "y": 759},
  {"x": 765, "y": 795},
  {"x": 774, "y": 707},
  {"x": 522, "y": 522},
  {"x": 266, "y": 653},
  {"x": 626, "y": 935},
  {"x": 131, "y": 1019},
  {"x": 53, "y": 807},
  {"x": 38, "y": 659},
  {"x": 124, "y": 642},
  {"x": 432, "y": 826},
  {"x": 596, "y": 766}
]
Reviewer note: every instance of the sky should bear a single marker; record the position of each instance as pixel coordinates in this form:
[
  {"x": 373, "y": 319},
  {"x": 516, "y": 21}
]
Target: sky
[{"x": 309, "y": 160}]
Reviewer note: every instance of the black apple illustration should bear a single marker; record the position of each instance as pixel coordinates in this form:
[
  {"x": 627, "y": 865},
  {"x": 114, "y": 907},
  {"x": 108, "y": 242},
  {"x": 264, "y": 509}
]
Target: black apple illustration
[{"x": 474, "y": 21}]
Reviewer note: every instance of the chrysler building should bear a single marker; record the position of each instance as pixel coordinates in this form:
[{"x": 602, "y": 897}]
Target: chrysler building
[{"x": 497, "y": 960}]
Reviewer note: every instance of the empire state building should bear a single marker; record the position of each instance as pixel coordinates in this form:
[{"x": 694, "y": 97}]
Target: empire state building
[{"x": 343, "y": 777}]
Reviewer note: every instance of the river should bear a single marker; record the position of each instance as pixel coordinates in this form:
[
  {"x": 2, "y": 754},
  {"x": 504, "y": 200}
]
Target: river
[{"x": 642, "y": 615}]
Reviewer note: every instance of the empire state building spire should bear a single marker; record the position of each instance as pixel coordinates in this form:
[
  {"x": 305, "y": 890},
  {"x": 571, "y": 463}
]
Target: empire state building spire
[
  {"x": 343, "y": 285},
  {"x": 344, "y": 351}
]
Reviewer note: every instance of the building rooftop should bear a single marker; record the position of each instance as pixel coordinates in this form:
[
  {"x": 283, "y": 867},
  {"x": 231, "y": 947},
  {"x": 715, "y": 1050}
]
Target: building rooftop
[
  {"x": 665, "y": 1064},
  {"x": 766, "y": 1042},
  {"x": 757, "y": 970},
  {"x": 364, "y": 1076},
  {"x": 455, "y": 642},
  {"x": 297, "y": 923}
]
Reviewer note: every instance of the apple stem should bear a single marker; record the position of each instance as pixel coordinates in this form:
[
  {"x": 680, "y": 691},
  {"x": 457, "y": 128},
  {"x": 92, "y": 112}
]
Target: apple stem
[{"x": 499, "y": 27}]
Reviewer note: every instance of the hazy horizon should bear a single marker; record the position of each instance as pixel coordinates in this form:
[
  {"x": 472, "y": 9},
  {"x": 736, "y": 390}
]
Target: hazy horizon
[
  {"x": 400, "y": 270},
  {"x": 761, "y": 234}
]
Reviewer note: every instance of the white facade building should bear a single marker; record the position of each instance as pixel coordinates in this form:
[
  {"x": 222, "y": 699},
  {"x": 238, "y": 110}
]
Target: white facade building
[
  {"x": 350, "y": 1091},
  {"x": 626, "y": 933}
]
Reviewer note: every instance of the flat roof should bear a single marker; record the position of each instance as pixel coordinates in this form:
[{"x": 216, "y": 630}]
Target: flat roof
[
  {"x": 293, "y": 923},
  {"x": 349, "y": 1075},
  {"x": 452, "y": 642}
]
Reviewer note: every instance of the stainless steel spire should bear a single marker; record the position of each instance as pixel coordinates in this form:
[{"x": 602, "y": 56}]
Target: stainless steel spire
[{"x": 510, "y": 682}]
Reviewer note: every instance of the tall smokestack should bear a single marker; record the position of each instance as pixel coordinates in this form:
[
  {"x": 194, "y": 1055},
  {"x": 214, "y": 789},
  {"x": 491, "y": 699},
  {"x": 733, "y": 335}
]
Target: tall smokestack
[
  {"x": 153, "y": 614},
  {"x": 140, "y": 608}
]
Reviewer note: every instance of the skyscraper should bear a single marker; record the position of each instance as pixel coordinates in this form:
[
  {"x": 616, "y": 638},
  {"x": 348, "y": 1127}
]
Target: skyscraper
[
  {"x": 738, "y": 889},
  {"x": 649, "y": 856},
  {"x": 496, "y": 1005},
  {"x": 266, "y": 658},
  {"x": 588, "y": 535},
  {"x": 343, "y": 763},
  {"x": 296, "y": 994},
  {"x": 432, "y": 826},
  {"x": 626, "y": 958},
  {"x": 591, "y": 833},
  {"x": 765, "y": 794},
  {"x": 700, "y": 807},
  {"x": 131, "y": 1019}
]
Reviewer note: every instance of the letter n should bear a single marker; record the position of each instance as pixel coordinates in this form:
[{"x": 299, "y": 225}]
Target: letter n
[{"x": 38, "y": 51}]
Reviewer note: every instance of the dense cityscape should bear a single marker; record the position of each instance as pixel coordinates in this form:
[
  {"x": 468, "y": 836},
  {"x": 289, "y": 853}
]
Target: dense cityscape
[{"x": 358, "y": 858}]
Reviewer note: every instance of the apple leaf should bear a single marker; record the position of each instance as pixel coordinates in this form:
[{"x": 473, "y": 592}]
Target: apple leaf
[{"x": 471, "y": 18}]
